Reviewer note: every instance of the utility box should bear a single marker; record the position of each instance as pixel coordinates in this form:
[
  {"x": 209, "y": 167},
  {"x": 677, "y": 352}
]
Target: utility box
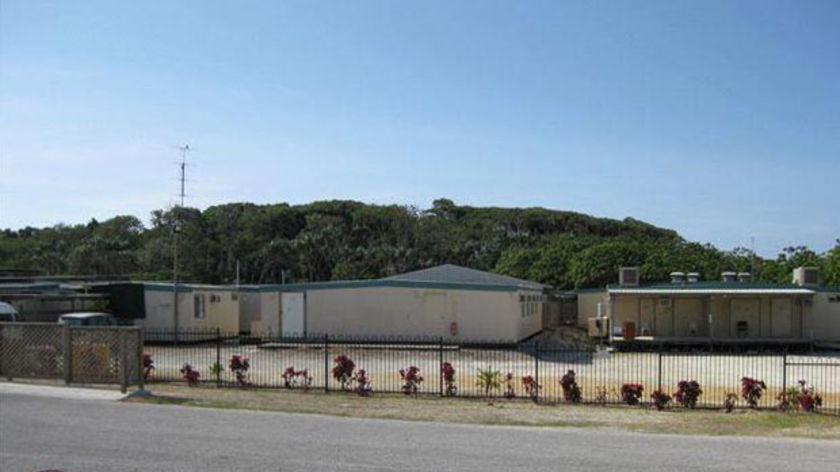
[{"x": 628, "y": 331}]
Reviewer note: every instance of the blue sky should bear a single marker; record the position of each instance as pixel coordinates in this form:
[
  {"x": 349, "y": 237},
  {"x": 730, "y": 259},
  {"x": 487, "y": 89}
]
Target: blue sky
[{"x": 720, "y": 120}]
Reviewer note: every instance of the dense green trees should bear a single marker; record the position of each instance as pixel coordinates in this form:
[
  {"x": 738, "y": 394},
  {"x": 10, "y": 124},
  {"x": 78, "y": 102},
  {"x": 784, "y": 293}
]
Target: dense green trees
[{"x": 336, "y": 240}]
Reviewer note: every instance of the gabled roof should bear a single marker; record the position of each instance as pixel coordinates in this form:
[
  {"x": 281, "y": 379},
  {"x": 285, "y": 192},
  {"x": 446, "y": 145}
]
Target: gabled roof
[
  {"x": 450, "y": 273},
  {"x": 446, "y": 276}
]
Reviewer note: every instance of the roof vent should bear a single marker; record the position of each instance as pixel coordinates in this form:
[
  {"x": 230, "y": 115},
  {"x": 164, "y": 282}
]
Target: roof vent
[
  {"x": 628, "y": 276},
  {"x": 744, "y": 277},
  {"x": 729, "y": 276},
  {"x": 693, "y": 277},
  {"x": 803, "y": 276},
  {"x": 677, "y": 277}
]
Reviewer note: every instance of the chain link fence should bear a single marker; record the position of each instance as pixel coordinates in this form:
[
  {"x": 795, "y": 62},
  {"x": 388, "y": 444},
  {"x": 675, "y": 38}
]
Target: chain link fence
[{"x": 100, "y": 355}]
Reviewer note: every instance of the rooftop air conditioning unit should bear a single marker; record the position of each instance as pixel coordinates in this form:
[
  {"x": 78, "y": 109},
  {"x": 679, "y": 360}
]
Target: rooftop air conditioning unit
[
  {"x": 628, "y": 276},
  {"x": 803, "y": 276}
]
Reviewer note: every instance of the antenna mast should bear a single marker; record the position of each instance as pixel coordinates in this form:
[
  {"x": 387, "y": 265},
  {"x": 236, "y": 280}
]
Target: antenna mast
[{"x": 183, "y": 150}]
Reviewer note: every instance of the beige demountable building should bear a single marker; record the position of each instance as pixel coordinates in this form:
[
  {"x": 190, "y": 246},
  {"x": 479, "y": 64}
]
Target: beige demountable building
[
  {"x": 201, "y": 308},
  {"x": 448, "y": 301},
  {"x": 734, "y": 310}
]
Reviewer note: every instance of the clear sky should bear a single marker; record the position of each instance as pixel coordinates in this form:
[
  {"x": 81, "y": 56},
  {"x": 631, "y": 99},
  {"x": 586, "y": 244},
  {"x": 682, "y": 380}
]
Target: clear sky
[{"x": 718, "y": 119}]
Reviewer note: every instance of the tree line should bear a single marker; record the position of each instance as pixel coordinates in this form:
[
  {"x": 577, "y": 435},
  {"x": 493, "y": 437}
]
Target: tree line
[{"x": 341, "y": 240}]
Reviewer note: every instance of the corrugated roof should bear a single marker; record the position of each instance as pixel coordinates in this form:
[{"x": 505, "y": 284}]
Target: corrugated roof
[{"x": 450, "y": 273}]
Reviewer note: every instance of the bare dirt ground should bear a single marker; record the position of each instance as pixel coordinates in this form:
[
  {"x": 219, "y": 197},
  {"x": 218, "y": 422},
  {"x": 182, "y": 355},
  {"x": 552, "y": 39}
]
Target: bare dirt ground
[{"x": 502, "y": 412}]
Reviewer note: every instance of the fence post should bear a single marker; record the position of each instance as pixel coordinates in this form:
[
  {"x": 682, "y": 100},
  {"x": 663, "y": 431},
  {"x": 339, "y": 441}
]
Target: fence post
[
  {"x": 123, "y": 361},
  {"x": 141, "y": 341},
  {"x": 784, "y": 371},
  {"x": 440, "y": 365},
  {"x": 68, "y": 353},
  {"x": 537, "y": 370},
  {"x": 218, "y": 358},
  {"x": 326, "y": 363},
  {"x": 659, "y": 375}
]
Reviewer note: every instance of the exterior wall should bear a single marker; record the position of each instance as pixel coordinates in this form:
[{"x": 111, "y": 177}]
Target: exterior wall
[
  {"x": 221, "y": 309},
  {"x": 259, "y": 312},
  {"x": 587, "y": 305},
  {"x": 825, "y": 314},
  {"x": 397, "y": 311},
  {"x": 742, "y": 316}
]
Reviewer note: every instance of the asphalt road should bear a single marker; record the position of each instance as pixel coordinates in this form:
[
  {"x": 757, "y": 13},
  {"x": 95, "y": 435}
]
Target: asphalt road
[{"x": 90, "y": 433}]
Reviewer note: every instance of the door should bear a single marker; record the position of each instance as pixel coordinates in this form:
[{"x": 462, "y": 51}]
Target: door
[
  {"x": 664, "y": 317},
  {"x": 647, "y": 317},
  {"x": 780, "y": 318},
  {"x": 293, "y": 308}
]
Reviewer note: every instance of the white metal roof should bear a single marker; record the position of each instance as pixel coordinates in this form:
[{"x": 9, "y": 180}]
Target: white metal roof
[{"x": 711, "y": 291}]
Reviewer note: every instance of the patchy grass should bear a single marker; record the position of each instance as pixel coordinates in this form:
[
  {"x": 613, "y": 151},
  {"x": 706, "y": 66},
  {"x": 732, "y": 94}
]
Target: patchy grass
[{"x": 518, "y": 412}]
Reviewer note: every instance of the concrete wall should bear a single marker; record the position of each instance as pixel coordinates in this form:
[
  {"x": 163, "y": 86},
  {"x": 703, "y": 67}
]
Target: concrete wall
[{"x": 419, "y": 312}]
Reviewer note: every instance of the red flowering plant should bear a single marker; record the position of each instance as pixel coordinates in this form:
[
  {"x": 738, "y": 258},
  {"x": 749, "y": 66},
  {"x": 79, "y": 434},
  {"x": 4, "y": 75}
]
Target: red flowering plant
[
  {"x": 804, "y": 397},
  {"x": 448, "y": 374},
  {"x": 631, "y": 393},
  {"x": 751, "y": 390},
  {"x": 571, "y": 390},
  {"x": 190, "y": 375},
  {"x": 343, "y": 370},
  {"x": 532, "y": 388},
  {"x": 363, "y": 383},
  {"x": 292, "y": 377},
  {"x": 660, "y": 399},
  {"x": 148, "y": 366},
  {"x": 240, "y": 365},
  {"x": 412, "y": 378},
  {"x": 688, "y": 391}
]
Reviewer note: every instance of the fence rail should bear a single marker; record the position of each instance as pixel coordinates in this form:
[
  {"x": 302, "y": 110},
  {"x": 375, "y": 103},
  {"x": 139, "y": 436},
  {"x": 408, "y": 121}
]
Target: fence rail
[{"x": 599, "y": 375}]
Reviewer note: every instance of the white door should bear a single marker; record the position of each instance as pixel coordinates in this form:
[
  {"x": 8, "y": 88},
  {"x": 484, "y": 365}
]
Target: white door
[{"x": 292, "y": 309}]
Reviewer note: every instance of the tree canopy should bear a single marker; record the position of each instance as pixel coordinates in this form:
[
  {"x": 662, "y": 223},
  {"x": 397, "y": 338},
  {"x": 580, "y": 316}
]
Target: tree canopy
[{"x": 339, "y": 240}]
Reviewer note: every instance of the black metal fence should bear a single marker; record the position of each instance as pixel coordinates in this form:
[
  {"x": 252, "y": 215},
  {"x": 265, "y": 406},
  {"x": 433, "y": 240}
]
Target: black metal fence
[{"x": 487, "y": 369}]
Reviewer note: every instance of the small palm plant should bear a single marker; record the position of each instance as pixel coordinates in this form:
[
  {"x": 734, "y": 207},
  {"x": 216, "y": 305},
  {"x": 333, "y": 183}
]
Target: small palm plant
[{"x": 488, "y": 380}]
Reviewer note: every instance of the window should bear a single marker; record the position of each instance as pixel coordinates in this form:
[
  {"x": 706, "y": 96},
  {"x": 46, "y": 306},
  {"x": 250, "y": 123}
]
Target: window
[{"x": 198, "y": 306}]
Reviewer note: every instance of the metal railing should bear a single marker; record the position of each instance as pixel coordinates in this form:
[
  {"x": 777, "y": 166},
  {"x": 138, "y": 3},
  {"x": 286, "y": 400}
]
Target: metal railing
[{"x": 599, "y": 375}]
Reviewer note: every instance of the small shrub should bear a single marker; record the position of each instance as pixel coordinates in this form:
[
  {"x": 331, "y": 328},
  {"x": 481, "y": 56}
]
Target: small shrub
[
  {"x": 489, "y": 380},
  {"x": 532, "y": 388},
  {"x": 148, "y": 366},
  {"x": 660, "y": 399},
  {"x": 509, "y": 390},
  {"x": 729, "y": 401},
  {"x": 448, "y": 373},
  {"x": 751, "y": 390},
  {"x": 631, "y": 393},
  {"x": 688, "y": 391},
  {"x": 190, "y": 375},
  {"x": 571, "y": 390},
  {"x": 804, "y": 398},
  {"x": 343, "y": 370},
  {"x": 292, "y": 377},
  {"x": 363, "y": 384},
  {"x": 240, "y": 365},
  {"x": 412, "y": 378}
]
